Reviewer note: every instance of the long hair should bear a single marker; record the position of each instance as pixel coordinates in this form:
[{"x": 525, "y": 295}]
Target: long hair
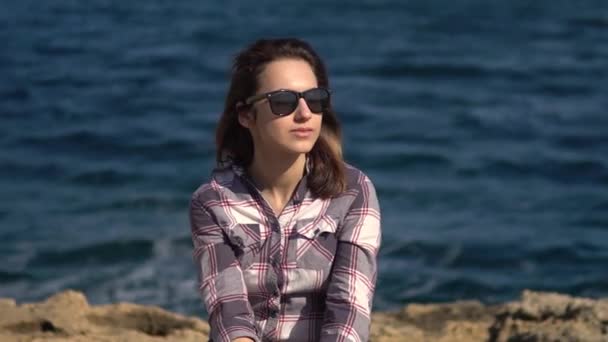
[{"x": 234, "y": 142}]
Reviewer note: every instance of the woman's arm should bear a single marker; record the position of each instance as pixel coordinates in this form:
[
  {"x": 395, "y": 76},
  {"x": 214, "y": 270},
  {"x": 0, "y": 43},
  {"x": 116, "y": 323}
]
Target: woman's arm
[
  {"x": 220, "y": 278},
  {"x": 353, "y": 277}
]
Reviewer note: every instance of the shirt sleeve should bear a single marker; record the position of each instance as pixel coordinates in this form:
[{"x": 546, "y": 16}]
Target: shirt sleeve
[
  {"x": 221, "y": 283},
  {"x": 353, "y": 279}
]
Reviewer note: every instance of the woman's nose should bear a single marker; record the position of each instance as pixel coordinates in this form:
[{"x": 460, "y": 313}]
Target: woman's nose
[{"x": 302, "y": 111}]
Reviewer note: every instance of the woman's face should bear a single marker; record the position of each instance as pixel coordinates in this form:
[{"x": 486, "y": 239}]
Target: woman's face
[{"x": 273, "y": 133}]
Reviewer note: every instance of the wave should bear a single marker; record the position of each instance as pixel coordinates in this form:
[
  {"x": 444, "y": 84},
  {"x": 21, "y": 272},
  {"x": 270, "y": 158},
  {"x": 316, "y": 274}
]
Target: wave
[
  {"x": 79, "y": 139},
  {"x": 564, "y": 89},
  {"x": 580, "y": 141},
  {"x": 140, "y": 202},
  {"x": 428, "y": 288},
  {"x": 484, "y": 256},
  {"x": 559, "y": 171},
  {"x": 86, "y": 141},
  {"x": 406, "y": 161},
  {"x": 37, "y": 169},
  {"x": 571, "y": 254},
  {"x": 12, "y": 277},
  {"x": 22, "y": 169},
  {"x": 112, "y": 252},
  {"x": 441, "y": 71},
  {"x": 456, "y": 255},
  {"x": 15, "y": 93},
  {"x": 102, "y": 177},
  {"x": 590, "y": 22}
]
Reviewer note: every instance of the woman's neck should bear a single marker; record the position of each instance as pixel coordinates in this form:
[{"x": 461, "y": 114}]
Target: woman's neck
[{"x": 277, "y": 176}]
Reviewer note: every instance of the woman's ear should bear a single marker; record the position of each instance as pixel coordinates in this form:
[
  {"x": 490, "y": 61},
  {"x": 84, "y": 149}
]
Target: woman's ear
[{"x": 245, "y": 115}]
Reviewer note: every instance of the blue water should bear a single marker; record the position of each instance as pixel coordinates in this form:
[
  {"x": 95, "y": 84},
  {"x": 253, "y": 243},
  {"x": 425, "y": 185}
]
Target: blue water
[{"x": 483, "y": 125}]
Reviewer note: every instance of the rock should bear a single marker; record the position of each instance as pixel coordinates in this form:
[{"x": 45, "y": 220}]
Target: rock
[
  {"x": 537, "y": 316},
  {"x": 67, "y": 316},
  {"x": 458, "y": 321},
  {"x": 548, "y": 317}
]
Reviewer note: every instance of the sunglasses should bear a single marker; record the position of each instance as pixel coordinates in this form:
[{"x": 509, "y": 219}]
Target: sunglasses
[{"x": 284, "y": 102}]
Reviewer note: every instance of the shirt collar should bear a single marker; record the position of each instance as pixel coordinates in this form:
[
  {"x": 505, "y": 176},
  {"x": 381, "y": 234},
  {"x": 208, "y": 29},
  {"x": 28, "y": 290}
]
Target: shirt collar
[{"x": 301, "y": 188}]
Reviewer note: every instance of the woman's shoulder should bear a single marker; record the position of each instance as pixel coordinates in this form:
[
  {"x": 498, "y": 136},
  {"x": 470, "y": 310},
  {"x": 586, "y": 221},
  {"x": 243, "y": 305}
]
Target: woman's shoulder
[
  {"x": 360, "y": 193},
  {"x": 356, "y": 178},
  {"x": 220, "y": 180}
]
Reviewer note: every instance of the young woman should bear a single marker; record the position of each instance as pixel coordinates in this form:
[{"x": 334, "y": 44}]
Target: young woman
[{"x": 286, "y": 234}]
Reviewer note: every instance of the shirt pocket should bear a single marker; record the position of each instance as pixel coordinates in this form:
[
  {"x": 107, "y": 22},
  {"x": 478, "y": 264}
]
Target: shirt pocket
[
  {"x": 246, "y": 242},
  {"x": 315, "y": 244}
]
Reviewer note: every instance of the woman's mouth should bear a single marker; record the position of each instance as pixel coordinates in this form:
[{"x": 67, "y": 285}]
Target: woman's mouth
[{"x": 302, "y": 132}]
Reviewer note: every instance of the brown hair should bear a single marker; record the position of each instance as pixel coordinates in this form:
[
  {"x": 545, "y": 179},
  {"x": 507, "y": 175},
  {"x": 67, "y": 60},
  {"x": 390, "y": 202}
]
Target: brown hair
[{"x": 234, "y": 142}]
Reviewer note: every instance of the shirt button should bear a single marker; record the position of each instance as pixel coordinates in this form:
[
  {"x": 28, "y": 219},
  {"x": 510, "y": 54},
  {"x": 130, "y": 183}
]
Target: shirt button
[{"x": 274, "y": 313}]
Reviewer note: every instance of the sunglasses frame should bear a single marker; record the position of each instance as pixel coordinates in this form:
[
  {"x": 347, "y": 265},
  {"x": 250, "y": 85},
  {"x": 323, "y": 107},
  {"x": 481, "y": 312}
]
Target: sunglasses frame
[{"x": 299, "y": 95}]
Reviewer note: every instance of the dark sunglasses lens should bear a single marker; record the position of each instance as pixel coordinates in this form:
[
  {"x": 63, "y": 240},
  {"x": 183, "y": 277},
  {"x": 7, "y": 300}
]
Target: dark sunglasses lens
[
  {"x": 283, "y": 103},
  {"x": 317, "y": 99}
]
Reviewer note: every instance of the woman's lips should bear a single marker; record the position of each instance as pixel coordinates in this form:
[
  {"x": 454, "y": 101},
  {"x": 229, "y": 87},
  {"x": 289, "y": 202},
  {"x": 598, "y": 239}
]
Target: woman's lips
[{"x": 302, "y": 132}]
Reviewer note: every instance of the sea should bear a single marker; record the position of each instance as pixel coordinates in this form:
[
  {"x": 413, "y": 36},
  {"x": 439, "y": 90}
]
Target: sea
[{"x": 483, "y": 125}]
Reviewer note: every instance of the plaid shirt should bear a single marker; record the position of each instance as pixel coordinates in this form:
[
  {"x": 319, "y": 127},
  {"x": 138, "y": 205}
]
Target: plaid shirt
[{"x": 306, "y": 275}]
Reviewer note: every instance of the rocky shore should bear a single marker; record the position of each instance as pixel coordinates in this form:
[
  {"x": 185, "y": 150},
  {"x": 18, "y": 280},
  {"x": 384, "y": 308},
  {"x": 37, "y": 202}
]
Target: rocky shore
[{"x": 536, "y": 316}]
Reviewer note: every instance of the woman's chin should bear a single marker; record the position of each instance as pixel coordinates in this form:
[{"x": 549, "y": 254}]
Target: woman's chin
[
  {"x": 293, "y": 147},
  {"x": 301, "y": 147}
]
